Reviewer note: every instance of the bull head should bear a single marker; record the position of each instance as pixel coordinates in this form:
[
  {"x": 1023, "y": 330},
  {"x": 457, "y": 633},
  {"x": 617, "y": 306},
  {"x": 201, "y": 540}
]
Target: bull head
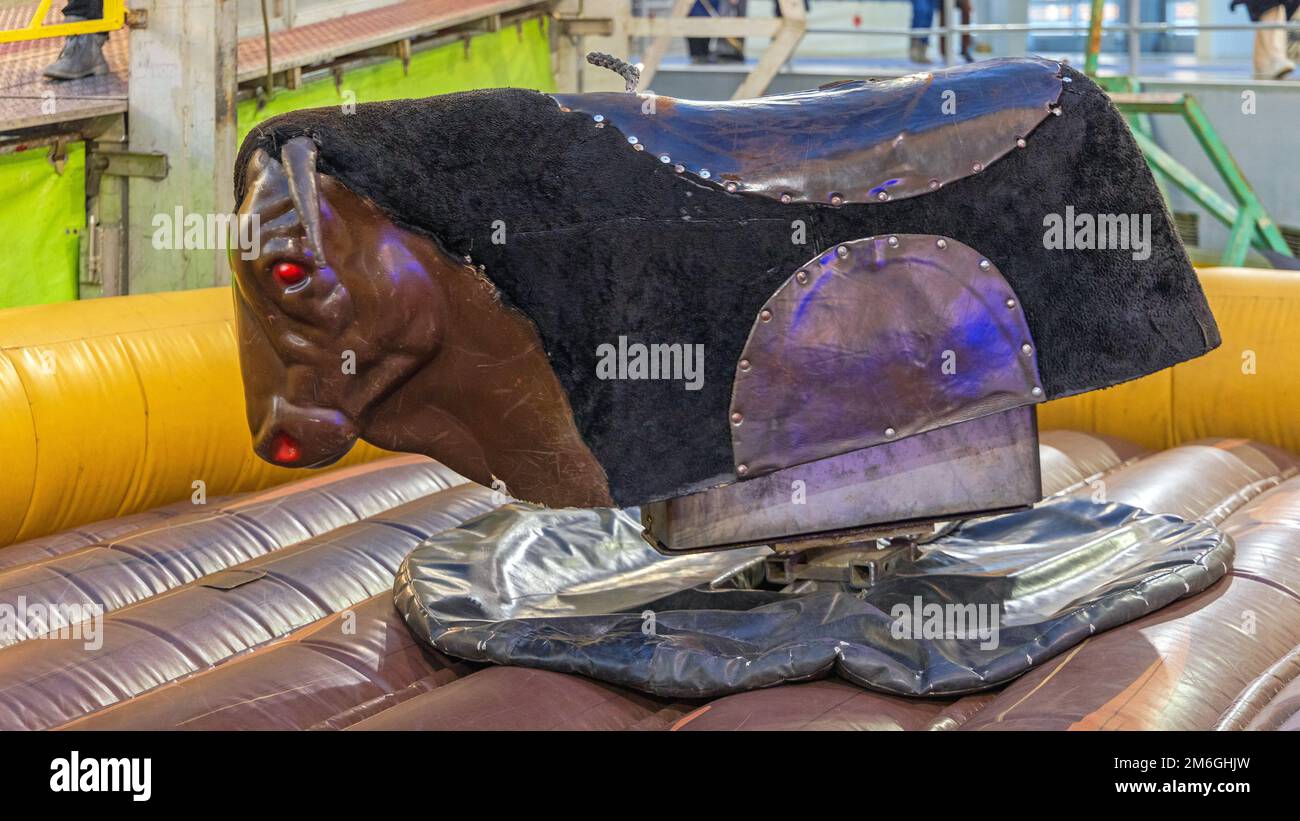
[{"x": 351, "y": 327}]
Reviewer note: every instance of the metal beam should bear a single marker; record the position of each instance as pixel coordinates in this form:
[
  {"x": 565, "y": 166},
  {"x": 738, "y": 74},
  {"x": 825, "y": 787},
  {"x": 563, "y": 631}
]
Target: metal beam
[{"x": 181, "y": 103}]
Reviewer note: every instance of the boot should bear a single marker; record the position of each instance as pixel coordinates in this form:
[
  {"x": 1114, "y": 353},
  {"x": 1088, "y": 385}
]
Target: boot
[
  {"x": 82, "y": 56},
  {"x": 917, "y": 52}
]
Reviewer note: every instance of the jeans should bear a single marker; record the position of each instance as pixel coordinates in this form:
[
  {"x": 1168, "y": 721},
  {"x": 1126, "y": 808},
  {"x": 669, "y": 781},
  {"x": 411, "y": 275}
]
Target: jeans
[
  {"x": 922, "y": 15},
  {"x": 86, "y": 9}
]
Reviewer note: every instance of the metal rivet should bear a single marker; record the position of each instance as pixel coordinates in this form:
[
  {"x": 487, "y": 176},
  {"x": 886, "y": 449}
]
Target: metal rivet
[
  {"x": 633, "y": 140},
  {"x": 742, "y": 469},
  {"x": 985, "y": 265},
  {"x": 565, "y": 109},
  {"x": 842, "y": 251},
  {"x": 664, "y": 158},
  {"x": 704, "y": 172},
  {"x": 943, "y": 243},
  {"x": 1026, "y": 349},
  {"x": 836, "y": 199},
  {"x": 679, "y": 168},
  {"x": 1056, "y": 112},
  {"x": 934, "y": 185},
  {"x": 600, "y": 125},
  {"x": 977, "y": 167},
  {"x": 765, "y": 315},
  {"x": 1020, "y": 143},
  {"x": 1037, "y": 391},
  {"x": 801, "y": 277},
  {"x": 600, "y": 118},
  {"x": 1011, "y": 303},
  {"x": 639, "y": 147},
  {"x": 737, "y": 418},
  {"x": 786, "y": 198},
  {"x": 890, "y": 432},
  {"x": 893, "y": 242},
  {"x": 744, "y": 364},
  {"x": 1067, "y": 79},
  {"x": 883, "y": 196},
  {"x": 731, "y": 187}
]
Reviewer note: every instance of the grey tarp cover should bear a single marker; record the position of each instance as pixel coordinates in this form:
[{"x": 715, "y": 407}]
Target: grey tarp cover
[{"x": 579, "y": 591}]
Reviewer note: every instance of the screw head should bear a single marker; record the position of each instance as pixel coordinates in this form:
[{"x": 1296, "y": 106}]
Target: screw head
[
  {"x": 741, "y": 470},
  {"x": 1020, "y": 143},
  {"x": 941, "y": 244},
  {"x": 633, "y": 140},
  {"x": 890, "y": 433},
  {"x": 765, "y": 315},
  {"x": 786, "y": 199},
  {"x": 836, "y": 199},
  {"x": 600, "y": 118},
  {"x": 893, "y": 242},
  {"x": 737, "y": 418},
  {"x": 664, "y": 158},
  {"x": 705, "y": 174},
  {"x": 679, "y": 168},
  {"x": 1037, "y": 391},
  {"x": 801, "y": 277},
  {"x": 1011, "y": 303},
  {"x": 934, "y": 185},
  {"x": 883, "y": 196},
  {"x": 744, "y": 364},
  {"x": 731, "y": 187},
  {"x": 842, "y": 251},
  {"x": 985, "y": 265},
  {"x": 977, "y": 167},
  {"x": 1026, "y": 349}
]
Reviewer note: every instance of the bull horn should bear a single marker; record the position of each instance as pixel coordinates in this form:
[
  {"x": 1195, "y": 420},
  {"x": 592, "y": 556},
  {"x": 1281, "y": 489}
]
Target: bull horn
[{"x": 299, "y": 159}]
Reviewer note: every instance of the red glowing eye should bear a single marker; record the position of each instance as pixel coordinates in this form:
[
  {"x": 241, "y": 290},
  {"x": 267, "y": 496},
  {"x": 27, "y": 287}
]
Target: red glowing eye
[
  {"x": 289, "y": 273},
  {"x": 285, "y": 450}
]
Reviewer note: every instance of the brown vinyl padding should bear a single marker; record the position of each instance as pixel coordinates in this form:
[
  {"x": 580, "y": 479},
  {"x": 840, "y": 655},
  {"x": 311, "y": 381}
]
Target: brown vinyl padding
[{"x": 316, "y": 643}]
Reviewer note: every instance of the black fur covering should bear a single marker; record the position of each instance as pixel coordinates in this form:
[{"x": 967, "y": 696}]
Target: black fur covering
[{"x": 604, "y": 241}]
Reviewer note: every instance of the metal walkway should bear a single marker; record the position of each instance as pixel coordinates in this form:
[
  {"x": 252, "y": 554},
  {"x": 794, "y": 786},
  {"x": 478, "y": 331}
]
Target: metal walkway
[{"x": 29, "y": 100}]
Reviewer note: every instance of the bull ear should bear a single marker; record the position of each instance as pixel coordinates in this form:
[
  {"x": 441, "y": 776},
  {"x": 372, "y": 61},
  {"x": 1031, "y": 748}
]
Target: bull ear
[{"x": 298, "y": 156}]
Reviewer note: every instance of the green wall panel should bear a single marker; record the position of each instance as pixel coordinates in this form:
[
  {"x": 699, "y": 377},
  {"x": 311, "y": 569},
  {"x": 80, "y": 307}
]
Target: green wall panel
[
  {"x": 510, "y": 57},
  {"x": 44, "y": 215}
]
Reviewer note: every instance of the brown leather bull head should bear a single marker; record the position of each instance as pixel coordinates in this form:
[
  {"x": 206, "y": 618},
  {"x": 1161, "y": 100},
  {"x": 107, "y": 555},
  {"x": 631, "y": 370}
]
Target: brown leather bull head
[{"x": 350, "y": 326}]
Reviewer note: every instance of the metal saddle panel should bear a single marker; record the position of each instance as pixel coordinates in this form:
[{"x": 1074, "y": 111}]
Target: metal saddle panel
[
  {"x": 875, "y": 340},
  {"x": 850, "y": 143}
]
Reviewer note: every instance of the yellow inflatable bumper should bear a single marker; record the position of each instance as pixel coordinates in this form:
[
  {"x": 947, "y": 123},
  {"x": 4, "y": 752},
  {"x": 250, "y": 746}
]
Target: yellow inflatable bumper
[
  {"x": 1249, "y": 387},
  {"x": 114, "y": 406}
]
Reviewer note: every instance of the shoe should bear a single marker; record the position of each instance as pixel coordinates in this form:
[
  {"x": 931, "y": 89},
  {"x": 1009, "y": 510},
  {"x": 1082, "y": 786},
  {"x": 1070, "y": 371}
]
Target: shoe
[
  {"x": 82, "y": 56},
  {"x": 1280, "y": 69},
  {"x": 917, "y": 51}
]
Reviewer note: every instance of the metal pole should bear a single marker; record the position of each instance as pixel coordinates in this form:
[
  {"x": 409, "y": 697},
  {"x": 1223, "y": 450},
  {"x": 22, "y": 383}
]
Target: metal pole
[
  {"x": 1094, "y": 38},
  {"x": 1134, "y": 37},
  {"x": 950, "y": 30}
]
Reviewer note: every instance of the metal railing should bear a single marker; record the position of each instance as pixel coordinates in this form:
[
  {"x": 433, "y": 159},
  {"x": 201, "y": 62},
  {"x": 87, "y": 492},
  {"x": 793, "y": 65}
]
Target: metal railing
[
  {"x": 1132, "y": 28},
  {"x": 114, "y": 18}
]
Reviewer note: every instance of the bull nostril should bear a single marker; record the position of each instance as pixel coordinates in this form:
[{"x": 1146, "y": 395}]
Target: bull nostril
[{"x": 285, "y": 450}]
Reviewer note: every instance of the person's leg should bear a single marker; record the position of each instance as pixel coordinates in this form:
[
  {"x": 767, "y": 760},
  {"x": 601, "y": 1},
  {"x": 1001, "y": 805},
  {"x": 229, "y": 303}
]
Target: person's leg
[
  {"x": 699, "y": 46},
  {"x": 965, "y": 6},
  {"x": 922, "y": 17},
  {"x": 1270, "y": 47}
]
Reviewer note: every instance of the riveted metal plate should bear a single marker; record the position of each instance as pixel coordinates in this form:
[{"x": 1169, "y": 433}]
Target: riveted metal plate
[
  {"x": 875, "y": 340},
  {"x": 967, "y": 469},
  {"x": 855, "y": 142}
]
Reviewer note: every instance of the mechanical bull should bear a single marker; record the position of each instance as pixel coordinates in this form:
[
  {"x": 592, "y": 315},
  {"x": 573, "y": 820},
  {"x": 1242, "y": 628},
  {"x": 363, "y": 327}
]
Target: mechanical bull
[{"x": 864, "y": 269}]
